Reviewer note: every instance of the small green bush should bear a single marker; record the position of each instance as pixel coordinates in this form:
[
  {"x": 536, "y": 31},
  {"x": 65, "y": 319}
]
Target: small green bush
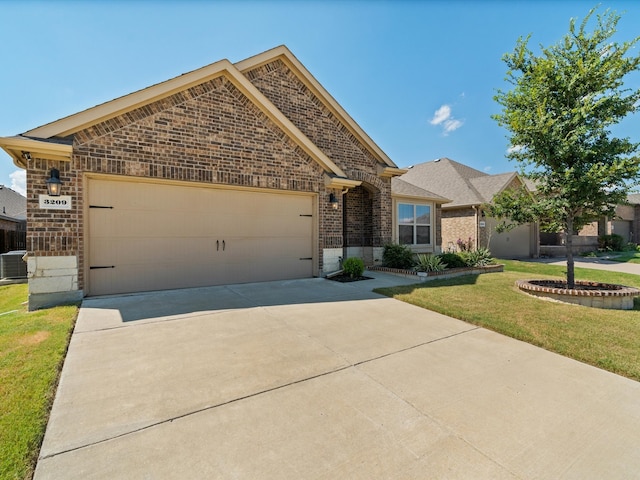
[
  {"x": 430, "y": 263},
  {"x": 453, "y": 260},
  {"x": 477, "y": 258},
  {"x": 397, "y": 256},
  {"x": 354, "y": 267},
  {"x": 611, "y": 243}
]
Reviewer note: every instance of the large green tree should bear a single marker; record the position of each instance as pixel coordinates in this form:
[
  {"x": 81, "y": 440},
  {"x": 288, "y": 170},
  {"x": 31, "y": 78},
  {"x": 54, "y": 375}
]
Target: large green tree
[{"x": 559, "y": 112}]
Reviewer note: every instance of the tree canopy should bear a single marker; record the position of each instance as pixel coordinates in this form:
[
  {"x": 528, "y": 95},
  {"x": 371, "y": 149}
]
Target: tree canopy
[{"x": 559, "y": 113}]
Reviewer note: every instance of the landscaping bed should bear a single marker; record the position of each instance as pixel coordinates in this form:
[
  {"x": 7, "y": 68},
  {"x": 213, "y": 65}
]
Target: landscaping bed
[{"x": 447, "y": 273}]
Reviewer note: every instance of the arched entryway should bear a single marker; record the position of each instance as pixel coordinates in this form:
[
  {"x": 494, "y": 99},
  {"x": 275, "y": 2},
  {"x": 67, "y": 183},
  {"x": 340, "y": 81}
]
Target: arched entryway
[{"x": 366, "y": 221}]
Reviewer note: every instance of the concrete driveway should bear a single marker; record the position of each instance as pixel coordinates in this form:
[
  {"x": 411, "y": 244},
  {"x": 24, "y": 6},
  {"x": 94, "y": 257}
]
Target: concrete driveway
[{"x": 312, "y": 379}]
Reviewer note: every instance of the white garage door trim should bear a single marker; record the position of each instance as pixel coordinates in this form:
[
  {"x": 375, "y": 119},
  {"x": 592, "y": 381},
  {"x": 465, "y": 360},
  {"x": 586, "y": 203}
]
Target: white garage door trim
[{"x": 226, "y": 240}]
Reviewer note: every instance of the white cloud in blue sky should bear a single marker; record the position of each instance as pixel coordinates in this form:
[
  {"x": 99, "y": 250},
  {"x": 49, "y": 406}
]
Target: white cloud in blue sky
[
  {"x": 444, "y": 118},
  {"x": 19, "y": 181},
  {"x": 515, "y": 148}
]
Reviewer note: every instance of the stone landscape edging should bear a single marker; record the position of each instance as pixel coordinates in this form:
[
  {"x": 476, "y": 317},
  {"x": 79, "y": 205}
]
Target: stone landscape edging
[
  {"x": 448, "y": 273},
  {"x": 609, "y": 296}
]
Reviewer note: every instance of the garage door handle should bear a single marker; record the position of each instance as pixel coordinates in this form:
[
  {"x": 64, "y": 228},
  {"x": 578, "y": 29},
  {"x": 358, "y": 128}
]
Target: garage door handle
[
  {"x": 223, "y": 245},
  {"x": 96, "y": 268},
  {"x": 217, "y": 245}
]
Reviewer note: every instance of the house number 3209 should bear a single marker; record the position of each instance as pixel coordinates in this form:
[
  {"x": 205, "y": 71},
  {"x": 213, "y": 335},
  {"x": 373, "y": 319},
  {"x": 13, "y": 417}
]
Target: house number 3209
[{"x": 57, "y": 203}]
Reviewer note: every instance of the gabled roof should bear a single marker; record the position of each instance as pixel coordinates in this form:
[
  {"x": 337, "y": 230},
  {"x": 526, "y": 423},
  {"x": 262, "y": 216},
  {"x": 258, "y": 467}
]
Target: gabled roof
[
  {"x": 284, "y": 54},
  {"x": 404, "y": 189},
  {"x": 466, "y": 186},
  {"x": 12, "y": 204},
  {"x": 49, "y": 141}
]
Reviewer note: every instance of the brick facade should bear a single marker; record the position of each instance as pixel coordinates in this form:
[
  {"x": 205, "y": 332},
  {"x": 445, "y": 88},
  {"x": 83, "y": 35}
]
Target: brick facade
[
  {"x": 307, "y": 112},
  {"x": 207, "y": 134},
  {"x": 458, "y": 224},
  {"x": 213, "y": 134}
]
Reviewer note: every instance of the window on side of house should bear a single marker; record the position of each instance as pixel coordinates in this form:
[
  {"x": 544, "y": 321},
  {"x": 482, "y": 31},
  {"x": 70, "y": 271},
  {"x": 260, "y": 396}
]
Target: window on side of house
[{"x": 414, "y": 224}]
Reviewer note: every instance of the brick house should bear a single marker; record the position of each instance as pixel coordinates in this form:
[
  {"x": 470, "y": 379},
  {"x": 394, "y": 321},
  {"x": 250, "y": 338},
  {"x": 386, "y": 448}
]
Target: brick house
[
  {"x": 463, "y": 218},
  {"x": 13, "y": 220},
  {"x": 625, "y": 222},
  {"x": 230, "y": 173}
]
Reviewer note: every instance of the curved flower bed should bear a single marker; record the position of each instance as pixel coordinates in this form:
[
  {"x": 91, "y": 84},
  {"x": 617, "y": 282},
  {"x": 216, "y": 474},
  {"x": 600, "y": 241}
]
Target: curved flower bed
[{"x": 588, "y": 294}]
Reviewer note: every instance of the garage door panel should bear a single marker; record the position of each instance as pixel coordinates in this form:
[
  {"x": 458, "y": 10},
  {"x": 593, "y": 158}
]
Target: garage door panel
[
  {"x": 104, "y": 221},
  {"x": 103, "y": 252},
  {"x": 162, "y": 236}
]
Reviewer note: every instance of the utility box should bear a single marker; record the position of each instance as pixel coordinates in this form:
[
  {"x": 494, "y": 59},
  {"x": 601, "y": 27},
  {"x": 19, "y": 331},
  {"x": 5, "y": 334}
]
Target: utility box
[{"x": 12, "y": 265}]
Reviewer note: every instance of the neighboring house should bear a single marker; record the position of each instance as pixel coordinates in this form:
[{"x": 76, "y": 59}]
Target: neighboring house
[
  {"x": 463, "y": 218},
  {"x": 634, "y": 203},
  {"x": 231, "y": 173},
  {"x": 625, "y": 223},
  {"x": 13, "y": 220},
  {"x": 417, "y": 217}
]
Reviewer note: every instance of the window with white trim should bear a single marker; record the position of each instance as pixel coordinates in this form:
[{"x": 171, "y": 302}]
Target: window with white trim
[{"x": 414, "y": 224}]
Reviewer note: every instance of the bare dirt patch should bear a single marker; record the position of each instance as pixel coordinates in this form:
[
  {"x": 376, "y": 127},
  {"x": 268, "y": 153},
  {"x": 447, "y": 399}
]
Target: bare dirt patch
[{"x": 34, "y": 338}]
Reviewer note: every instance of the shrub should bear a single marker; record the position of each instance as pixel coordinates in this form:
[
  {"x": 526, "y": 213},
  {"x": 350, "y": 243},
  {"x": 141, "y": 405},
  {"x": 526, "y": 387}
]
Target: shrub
[
  {"x": 453, "y": 260},
  {"x": 612, "y": 243},
  {"x": 478, "y": 258},
  {"x": 430, "y": 263},
  {"x": 397, "y": 256},
  {"x": 354, "y": 267}
]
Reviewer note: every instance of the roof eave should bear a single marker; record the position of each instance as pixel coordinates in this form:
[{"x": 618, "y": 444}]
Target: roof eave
[
  {"x": 19, "y": 148},
  {"x": 121, "y": 105},
  {"x": 438, "y": 200},
  {"x": 333, "y": 182},
  {"x": 389, "y": 172}
]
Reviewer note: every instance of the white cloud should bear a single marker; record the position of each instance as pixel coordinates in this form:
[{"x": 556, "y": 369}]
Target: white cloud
[
  {"x": 487, "y": 169},
  {"x": 443, "y": 117},
  {"x": 451, "y": 125},
  {"x": 515, "y": 148},
  {"x": 19, "y": 181}
]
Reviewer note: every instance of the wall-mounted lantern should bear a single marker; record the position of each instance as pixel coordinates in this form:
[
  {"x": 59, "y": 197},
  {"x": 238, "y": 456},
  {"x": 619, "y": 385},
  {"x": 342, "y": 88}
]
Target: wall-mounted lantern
[
  {"x": 333, "y": 201},
  {"x": 54, "y": 183}
]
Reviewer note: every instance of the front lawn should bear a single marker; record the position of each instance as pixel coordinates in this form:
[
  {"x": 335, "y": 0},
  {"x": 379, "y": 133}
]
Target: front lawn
[
  {"x": 609, "y": 339},
  {"x": 631, "y": 257},
  {"x": 32, "y": 349}
]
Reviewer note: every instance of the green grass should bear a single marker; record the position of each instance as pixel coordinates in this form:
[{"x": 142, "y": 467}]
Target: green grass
[
  {"x": 631, "y": 257},
  {"x": 609, "y": 339},
  {"x": 32, "y": 349}
]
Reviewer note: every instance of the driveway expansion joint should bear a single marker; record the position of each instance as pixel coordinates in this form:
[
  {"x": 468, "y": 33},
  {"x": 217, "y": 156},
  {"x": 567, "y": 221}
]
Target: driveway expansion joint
[{"x": 255, "y": 394}]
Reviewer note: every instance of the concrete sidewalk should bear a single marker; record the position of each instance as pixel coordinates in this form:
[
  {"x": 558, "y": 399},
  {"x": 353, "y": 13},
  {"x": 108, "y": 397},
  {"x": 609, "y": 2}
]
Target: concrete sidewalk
[
  {"x": 313, "y": 379},
  {"x": 597, "y": 263}
]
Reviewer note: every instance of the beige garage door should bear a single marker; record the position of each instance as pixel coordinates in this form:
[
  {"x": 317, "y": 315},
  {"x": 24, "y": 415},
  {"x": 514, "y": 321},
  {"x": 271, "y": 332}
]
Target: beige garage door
[
  {"x": 148, "y": 236},
  {"x": 515, "y": 243}
]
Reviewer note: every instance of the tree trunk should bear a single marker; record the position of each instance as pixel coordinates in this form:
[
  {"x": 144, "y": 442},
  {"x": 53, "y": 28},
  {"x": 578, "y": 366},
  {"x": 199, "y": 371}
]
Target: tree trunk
[{"x": 571, "y": 279}]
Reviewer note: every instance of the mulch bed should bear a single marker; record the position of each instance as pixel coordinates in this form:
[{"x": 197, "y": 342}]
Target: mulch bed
[{"x": 347, "y": 278}]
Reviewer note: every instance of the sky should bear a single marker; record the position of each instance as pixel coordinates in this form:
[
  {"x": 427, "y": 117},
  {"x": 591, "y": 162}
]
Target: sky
[{"x": 418, "y": 76}]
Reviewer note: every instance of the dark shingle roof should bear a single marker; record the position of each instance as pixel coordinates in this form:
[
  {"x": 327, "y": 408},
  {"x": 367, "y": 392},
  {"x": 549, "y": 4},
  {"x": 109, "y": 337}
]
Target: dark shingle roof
[
  {"x": 12, "y": 204},
  {"x": 463, "y": 184},
  {"x": 400, "y": 187}
]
